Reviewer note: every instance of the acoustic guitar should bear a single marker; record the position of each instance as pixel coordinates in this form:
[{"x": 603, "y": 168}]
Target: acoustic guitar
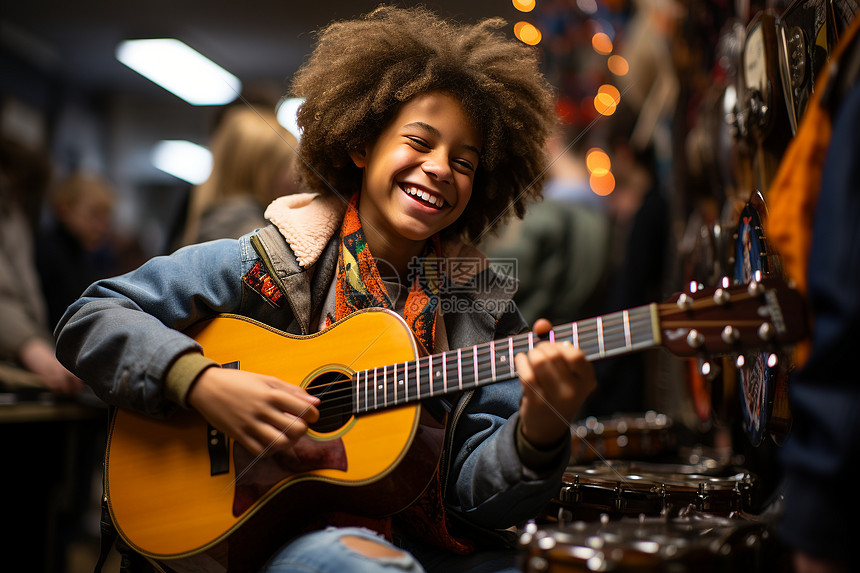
[{"x": 178, "y": 488}]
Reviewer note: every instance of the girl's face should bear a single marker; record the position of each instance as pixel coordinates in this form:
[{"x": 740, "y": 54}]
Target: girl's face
[{"x": 419, "y": 172}]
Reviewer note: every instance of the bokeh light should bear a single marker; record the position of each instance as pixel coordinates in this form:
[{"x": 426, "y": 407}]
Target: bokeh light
[
  {"x": 601, "y": 43},
  {"x": 527, "y": 33},
  {"x": 602, "y": 184},
  {"x": 597, "y": 162},
  {"x": 618, "y": 65},
  {"x": 605, "y": 104},
  {"x": 524, "y": 5}
]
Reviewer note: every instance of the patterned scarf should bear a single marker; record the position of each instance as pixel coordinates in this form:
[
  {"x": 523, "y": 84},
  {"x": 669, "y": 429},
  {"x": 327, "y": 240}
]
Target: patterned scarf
[{"x": 359, "y": 284}]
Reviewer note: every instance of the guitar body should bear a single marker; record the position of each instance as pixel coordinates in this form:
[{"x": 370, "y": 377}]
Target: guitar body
[{"x": 170, "y": 499}]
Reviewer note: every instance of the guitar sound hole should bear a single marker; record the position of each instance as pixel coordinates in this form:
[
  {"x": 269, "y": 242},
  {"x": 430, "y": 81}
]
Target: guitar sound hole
[{"x": 335, "y": 393}]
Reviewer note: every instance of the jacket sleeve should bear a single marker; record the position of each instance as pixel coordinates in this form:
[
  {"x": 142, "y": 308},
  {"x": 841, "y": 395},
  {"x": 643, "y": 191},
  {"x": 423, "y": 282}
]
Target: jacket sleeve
[
  {"x": 124, "y": 334},
  {"x": 822, "y": 454},
  {"x": 492, "y": 486}
]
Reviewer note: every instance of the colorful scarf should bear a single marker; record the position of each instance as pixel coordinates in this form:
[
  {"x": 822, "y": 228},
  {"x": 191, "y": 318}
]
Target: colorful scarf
[{"x": 359, "y": 284}]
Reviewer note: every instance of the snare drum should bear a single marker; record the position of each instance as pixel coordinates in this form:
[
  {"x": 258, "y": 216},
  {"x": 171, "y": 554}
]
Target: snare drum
[
  {"x": 628, "y": 489},
  {"x": 694, "y": 543},
  {"x": 622, "y": 437}
]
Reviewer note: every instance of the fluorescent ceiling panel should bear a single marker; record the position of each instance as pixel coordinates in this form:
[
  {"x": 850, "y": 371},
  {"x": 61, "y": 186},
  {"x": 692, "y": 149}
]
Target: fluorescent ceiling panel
[
  {"x": 181, "y": 70},
  {"x": 183, "y": 159}
]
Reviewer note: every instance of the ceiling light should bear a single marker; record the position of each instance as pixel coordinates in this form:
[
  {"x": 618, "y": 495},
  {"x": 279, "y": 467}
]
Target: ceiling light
[
  {"x": 183, "y": 159},
  {"x": 180, "y": 70},
  {"x": 287, "y": 110}
]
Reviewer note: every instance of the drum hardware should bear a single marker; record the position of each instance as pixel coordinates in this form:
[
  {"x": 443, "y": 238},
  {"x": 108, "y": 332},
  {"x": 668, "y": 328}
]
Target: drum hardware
[
  {"x": 691, "y": 543},
  {"x": 621, "y": 489}
]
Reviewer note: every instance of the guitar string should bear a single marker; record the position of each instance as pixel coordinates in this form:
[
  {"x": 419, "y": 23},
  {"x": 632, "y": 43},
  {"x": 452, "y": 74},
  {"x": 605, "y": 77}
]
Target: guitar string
[
  {"x": 343, "y": 386},
  {"x": 483, "y": 352},
  {"x": 339, "y": 389}
]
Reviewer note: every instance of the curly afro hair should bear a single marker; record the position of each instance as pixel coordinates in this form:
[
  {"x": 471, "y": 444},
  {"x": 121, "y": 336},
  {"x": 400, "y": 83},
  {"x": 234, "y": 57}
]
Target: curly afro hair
[{"x": 362, "y": 70}]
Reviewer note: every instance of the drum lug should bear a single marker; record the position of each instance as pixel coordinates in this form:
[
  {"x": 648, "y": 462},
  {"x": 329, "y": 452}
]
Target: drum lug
[
  {"x": 702, "y": 498},
  {"x": 618, "y": 502},
  {"x": 571, "y": 493}
]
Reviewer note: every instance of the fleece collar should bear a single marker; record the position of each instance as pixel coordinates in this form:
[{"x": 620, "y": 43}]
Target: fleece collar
[{"x": 307, "y": 221}]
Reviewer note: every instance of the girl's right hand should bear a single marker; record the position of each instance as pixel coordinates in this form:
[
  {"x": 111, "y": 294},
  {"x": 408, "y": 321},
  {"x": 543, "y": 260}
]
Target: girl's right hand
[{"x": 263, "y": 413}]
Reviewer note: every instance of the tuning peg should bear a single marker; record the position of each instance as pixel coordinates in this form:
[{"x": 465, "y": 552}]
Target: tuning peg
[
  {"x": 730, "y": 335},
  {"x": 685, "y": 302},
  {"x": 765, "y": 331},
  {"x": 740, "y": 360},
  {"x": 772, "y": 360},
  {"x": 709, "y": 370},
  {"x": 695, "y": 338},
  {"x": 755, "y": 288},
  {"x": 725, "y": 282},
  {"x": 721, "y": 296}
]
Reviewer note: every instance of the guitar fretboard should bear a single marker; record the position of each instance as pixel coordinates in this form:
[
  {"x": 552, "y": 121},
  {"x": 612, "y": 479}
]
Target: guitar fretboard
[{"x": 467, "y": 368}]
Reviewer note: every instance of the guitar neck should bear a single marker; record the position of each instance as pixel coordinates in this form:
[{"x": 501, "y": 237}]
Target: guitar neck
[{"x": 467, "y": 368}]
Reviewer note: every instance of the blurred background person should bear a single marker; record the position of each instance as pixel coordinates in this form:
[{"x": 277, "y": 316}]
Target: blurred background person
[
  {"x": 25, "y": 338},
  {"x": 253, "y": 162},
  {"x": 561, "y": 245},
  {"x": 73, "y": 248}
]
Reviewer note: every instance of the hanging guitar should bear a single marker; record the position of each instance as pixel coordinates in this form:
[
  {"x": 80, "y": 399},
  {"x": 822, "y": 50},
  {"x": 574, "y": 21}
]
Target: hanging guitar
[{"x": 178, "y": 490}]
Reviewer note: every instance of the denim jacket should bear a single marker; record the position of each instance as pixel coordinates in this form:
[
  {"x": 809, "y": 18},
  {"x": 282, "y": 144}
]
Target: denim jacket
[{"x": 125, "y": 333}]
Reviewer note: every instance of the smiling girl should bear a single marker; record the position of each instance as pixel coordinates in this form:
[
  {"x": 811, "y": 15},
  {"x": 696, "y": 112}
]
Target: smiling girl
[{"x": 418, "y": 136}]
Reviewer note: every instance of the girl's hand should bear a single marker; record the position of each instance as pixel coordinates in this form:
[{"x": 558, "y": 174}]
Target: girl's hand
[
  {"x": 556, "y": 379},
  {"x": 263, "y": 413}
]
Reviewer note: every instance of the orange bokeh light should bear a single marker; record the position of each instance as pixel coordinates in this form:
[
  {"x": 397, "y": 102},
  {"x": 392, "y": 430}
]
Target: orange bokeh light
[
  {"x": 601, "y": 43},
  {"x": 602, "y": 184},
  {"x": 524, "y": 5},
  {"x": 597, "y": 162},
  {"x": 605, "y": 104},
  {"x": 618, "y": 65},
  {"x": 527, "y": 33}
]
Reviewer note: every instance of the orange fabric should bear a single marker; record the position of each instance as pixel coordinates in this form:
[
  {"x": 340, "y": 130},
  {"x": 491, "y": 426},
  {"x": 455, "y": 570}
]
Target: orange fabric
[{"x": 793, "y": 195}]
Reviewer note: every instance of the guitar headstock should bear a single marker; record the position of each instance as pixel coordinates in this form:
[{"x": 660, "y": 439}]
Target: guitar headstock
[{"x": 733, "y": 319}]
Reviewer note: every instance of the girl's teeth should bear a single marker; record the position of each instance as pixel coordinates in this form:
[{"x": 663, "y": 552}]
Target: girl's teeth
[{"x": 438, "y": 201}]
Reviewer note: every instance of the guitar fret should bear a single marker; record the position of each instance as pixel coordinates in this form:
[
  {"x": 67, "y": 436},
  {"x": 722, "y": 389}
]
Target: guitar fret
[
  {"x": 552, "y": 336},
  {"x": 444, "y": 372},
  {"x": 418, "y": 378},
  {"x": 493, "y": 360},
  {"x": 511, "y": 356},
  {"x": 575, "y": 334},
  {"x": 475, "y": 362},
  {"x": 459, "y": 368},
  {"x": 627, "y": 339},
  {"x": 375, "y": 393},
  {"x": 430, "y": 374},
  {"x": 600, "y": 346},
  {"x": 531, "y": 341},
  {"x": 397, "y": 384},
  {"x": 385, "y": 386}
]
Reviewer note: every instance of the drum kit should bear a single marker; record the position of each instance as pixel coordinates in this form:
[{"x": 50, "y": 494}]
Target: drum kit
[{"x": 631, "y": 498}]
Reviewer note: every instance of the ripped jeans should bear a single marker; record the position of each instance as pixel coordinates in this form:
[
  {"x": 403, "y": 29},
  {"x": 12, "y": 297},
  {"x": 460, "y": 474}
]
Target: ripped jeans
[{"x": 325, "y": 552}]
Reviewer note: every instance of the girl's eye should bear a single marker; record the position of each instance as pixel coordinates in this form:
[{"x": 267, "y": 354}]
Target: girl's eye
[
  {"x": 465, "y": 165},
  {"x": 418, "y": 142}
]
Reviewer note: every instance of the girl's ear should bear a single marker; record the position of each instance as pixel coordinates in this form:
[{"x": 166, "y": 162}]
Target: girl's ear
[{"x": 359, "y": 157}]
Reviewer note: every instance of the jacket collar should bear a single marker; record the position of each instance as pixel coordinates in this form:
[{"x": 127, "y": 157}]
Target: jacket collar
[{"x": 307, "y": 221}]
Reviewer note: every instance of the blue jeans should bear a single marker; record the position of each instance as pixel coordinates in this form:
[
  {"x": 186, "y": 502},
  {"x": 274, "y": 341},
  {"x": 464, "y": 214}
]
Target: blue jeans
[{"x": 324, "y": 552}]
